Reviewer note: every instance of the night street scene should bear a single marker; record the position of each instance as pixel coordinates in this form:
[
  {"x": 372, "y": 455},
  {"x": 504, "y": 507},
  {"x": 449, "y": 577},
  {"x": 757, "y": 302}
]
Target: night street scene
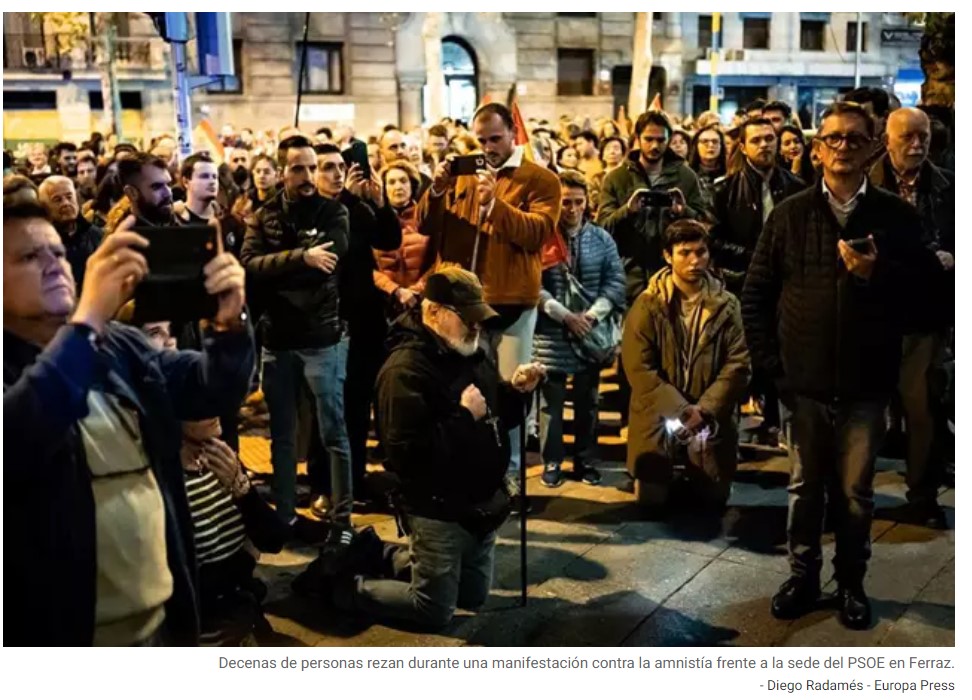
[{"x": 442, "y": 329}]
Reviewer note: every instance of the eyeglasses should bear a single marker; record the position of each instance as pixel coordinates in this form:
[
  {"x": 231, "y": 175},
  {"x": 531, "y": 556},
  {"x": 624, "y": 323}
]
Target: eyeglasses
[
  {"x": 708, "y": 142},
  {"x": 854, "y": 141}
]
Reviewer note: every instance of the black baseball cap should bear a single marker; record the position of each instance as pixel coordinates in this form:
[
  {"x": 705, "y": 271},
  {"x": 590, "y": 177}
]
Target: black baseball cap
[{"x": 460, "y": 291}]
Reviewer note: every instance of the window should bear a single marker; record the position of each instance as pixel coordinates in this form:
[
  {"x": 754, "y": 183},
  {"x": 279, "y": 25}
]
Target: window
[
  {"x": 129, "y": 100},
  {"x": 29, "y": 99},
  {"x": 233, "y": 84},
  {"x": 323, "y": 74},
  {"x": 812, "y": 35},
  {"x": 705, "y": 33},
  {"x": 852, "y": 37},
  {"x": 756, "y": 33},
  {"x": 575, "y": 71}
]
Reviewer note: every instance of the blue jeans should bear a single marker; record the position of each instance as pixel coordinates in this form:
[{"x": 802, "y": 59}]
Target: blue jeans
[
  {"x": 324, "y": 370},
  {"x": 450, "y": 568},
  {"x": 836, "y": 447}
]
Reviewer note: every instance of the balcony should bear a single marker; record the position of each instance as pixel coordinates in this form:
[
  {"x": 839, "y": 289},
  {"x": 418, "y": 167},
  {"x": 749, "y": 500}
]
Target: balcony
[{"x": 52, "y": 53}]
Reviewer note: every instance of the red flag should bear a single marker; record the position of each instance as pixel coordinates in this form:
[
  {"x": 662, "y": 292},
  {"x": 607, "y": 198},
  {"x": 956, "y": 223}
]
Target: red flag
[
  {"x": 656, "y": 105},
  {"x": 521, "y": 137},
  {"x": 486, "y": 100}
]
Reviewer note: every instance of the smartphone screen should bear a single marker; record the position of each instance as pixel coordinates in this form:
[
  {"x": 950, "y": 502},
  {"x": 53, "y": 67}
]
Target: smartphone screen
[
  {"x": 174, "y": 289},
  {"x": 357, "y": 153}
]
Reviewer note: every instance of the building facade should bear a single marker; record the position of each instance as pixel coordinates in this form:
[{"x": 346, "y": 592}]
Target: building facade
[{"x": 371, "y": 69}]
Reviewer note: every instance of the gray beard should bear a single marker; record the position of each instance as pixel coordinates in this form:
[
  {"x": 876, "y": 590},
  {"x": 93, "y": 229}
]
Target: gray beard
[{"x": 463, "y": 347}]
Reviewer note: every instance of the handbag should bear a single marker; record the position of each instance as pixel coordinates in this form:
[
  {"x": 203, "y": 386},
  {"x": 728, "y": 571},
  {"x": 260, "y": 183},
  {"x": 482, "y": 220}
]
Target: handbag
[{"x": 602, "y": 345}]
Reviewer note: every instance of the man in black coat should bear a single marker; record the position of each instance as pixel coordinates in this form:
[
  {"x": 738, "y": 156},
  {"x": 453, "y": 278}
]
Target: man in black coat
[
  {"x": 444, "y": 419},
  {"x": 837, "y": 271},
  {"x": 906, "y": 171},
  {"x": 292, "y": 250},
  {"x": 92, "y": 417},
  {"x": 374, "y": 225},
  {"x": 742, "y": 204},
  {"x": 80, "y": 238}
]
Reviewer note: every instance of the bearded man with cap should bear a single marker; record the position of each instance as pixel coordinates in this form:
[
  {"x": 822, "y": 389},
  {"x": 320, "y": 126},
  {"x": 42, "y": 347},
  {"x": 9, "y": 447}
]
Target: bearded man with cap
[{"x": 444, "y": 416}]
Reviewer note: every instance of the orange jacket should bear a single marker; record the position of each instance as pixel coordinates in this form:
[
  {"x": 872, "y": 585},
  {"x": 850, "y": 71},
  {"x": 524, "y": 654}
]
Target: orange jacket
[
  {"x": 526, "y": 211},
  {"x": 406, "y": 266}
]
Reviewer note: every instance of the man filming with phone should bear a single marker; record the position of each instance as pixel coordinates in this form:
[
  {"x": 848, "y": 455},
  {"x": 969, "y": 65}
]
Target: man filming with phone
[
  {"x": 494, "y": 223},
  {"x": 97, "y": 412},
  {"x": 292, "y": 249}
]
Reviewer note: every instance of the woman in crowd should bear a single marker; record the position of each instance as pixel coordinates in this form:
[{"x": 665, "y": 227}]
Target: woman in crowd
[
  {"x": 401, "y": 273},
  {"x": 593, "y": 260},
  {"x": 567, "y": 159},
  {"x": 679, "y": 143},
  {"x": 795, "y": 154},
  {"x": 708, "y": 158},
  {"x": 612, "y": 155}
]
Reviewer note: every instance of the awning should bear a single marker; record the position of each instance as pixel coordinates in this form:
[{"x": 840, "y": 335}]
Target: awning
[
  {"x": 815, "y": 16},
  {"x": 756, "y": 15}
]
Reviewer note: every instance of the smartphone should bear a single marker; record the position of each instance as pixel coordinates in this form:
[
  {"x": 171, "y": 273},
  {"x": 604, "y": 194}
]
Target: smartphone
[
  {"x": 467, "y": 165},
  {"x": 174, "y": 289},
  {"x": 861, "y": 245},
  {"x": 357, "y": 153},
  {"x": 656, "y": 198}
]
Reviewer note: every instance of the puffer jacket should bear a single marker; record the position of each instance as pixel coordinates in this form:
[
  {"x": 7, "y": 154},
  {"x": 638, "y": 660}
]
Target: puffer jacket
[
  {"x": 819, "y": 331},
  {"x": 405, "y": 266},
  {"x": 663, "y": 382},
  {"x": 595, "y": 263},
  {"x": 640, "y": 235},
  {"x": 739, "y": 218},
  {"x": 301, "y": 303}
]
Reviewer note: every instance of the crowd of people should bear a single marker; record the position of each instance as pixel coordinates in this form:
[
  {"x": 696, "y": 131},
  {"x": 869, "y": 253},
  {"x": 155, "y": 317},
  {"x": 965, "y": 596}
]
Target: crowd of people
[{"x": 717, "y": 265}]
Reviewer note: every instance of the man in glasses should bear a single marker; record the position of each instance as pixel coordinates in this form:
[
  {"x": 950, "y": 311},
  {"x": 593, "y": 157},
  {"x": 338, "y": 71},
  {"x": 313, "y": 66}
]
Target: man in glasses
[{"x": 838, "y": 271}]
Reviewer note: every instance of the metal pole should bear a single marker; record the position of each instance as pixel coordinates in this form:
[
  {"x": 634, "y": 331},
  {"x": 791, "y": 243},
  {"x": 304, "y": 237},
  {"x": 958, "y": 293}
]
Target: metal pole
[
  {"x": 857, "y": 56},
  {"x": 714, "y": 63},
  {"x": 183, "y": 101},
  {"x": 303, "y": 68},
  {"x": 523, "y": 504}
]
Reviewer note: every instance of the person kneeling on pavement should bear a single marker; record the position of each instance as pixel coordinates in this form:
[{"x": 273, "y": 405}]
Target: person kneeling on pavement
[
  {"x": 444, "y": 417},
  {"x": 685, "y": 353}
]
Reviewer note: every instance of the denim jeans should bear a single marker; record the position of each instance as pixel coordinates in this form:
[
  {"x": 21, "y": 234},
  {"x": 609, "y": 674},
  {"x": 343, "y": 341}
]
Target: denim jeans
[
  {"x": 450, "y": 568},
  {"x": 554, "y": 393},
  {"x": 836, "y": 446},
  {"x": 514, "y": 347},
  {"x": 324, "y": 370}
]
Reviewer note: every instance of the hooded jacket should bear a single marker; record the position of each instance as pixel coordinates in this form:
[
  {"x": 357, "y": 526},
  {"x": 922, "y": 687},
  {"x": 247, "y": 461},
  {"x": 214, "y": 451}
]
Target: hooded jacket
[
  {"x": 447, "y": 462},
  {"x": 301, "y": 303},
  {"x": 666, "y": 376},
  {"x": 640, "y": 235}
]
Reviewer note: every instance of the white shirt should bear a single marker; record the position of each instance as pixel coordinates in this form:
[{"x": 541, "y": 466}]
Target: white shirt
[{"x": 843, "y": 210}]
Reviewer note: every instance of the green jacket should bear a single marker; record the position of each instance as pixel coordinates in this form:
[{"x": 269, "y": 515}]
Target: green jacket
[
  {"x": 639, "y": 235},
  {"x": 664, "y": 382}
]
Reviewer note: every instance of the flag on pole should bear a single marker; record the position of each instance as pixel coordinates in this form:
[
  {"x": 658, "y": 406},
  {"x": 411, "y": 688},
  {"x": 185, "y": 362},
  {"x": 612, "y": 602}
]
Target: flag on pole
[{"x": 205, "y": 138}]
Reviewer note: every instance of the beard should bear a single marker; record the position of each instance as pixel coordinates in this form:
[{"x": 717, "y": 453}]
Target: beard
[
  {"x": 240, "y": 175},
  {"x": 466, "y": 346}
]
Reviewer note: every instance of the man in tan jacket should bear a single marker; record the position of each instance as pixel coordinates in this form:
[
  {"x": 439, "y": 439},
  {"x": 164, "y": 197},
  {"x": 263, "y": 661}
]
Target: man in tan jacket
[
  {"x": 685, "y": 353},
  {"x": 494, "y": 224}
]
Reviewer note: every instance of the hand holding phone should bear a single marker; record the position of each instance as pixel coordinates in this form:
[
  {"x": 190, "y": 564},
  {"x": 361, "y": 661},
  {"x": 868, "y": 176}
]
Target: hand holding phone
[
  {"x": 468, "y": 165},
  {"x": 112, "y": 273}
]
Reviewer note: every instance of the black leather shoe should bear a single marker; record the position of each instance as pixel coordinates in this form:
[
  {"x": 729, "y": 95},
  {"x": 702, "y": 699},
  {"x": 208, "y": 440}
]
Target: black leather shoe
[
  {"x": 855, "y": 608},
  {"x": 796, "y": 597}
]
